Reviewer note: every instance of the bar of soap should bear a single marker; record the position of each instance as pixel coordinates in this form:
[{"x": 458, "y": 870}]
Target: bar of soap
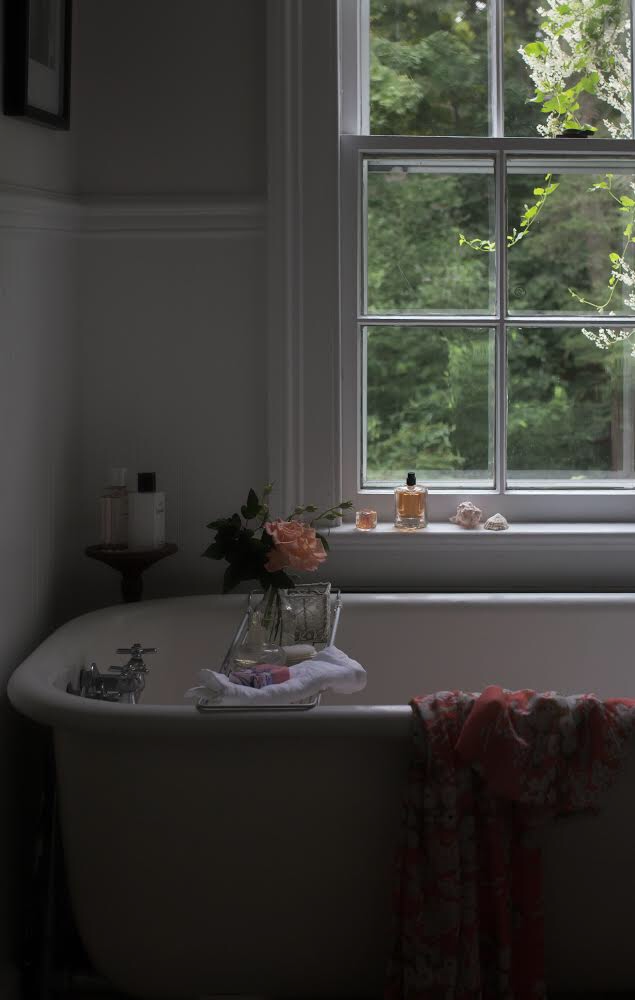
[
  {"x": 261, "y": 675},
  {"x": 296, "y": 654}
]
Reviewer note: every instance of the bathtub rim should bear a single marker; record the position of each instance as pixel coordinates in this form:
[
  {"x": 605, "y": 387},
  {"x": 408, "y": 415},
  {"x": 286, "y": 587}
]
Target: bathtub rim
[{"x": 32, "y": 690}]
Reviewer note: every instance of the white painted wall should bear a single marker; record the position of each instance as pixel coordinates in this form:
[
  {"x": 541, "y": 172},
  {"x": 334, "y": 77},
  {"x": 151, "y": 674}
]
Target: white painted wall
[
  {"x": 39, "y": 454},
  {"x": 171, "y": 96},
  {"x": 166, "y": 373},
  {"x": 170, "y": 112},
  {"x": 172, "y": 350}
]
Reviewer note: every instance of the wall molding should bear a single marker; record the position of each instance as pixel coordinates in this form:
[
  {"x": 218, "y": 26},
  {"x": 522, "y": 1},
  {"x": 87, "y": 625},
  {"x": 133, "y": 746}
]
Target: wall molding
[
  {"x": 37, "y": 209},
  {"x": 171, "y": 214}
]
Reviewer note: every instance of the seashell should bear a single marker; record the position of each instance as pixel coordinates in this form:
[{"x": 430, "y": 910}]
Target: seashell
[
  {"x": 467, "y": 515},
  {"x": 496, "y": 523}
]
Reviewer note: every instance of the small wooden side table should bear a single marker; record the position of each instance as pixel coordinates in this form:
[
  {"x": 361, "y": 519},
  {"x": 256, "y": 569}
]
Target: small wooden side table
[{"x": 131, "y": 563}]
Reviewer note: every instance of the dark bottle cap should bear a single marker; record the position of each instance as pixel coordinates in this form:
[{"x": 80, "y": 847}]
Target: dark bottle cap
[
  {"x": 410, "y": 481},
  {"x": 147, "y": 482}
]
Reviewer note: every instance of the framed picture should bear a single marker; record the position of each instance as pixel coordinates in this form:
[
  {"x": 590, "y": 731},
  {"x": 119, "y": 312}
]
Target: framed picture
[{"x": 37, "y": 60}]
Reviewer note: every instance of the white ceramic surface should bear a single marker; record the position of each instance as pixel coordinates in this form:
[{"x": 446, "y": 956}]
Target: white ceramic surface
[{"x": 253, "y": 854}]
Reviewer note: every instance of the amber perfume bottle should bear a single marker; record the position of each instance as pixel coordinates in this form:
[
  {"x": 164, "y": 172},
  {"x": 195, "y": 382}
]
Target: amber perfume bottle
[{"x": 411, "y": 505}]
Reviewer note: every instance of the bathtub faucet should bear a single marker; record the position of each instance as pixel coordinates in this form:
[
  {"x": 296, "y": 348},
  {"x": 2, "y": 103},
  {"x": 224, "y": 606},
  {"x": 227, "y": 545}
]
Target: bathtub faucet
[
  {"x": 126, "y": 687},
  {"x": 131, "y": 680}
]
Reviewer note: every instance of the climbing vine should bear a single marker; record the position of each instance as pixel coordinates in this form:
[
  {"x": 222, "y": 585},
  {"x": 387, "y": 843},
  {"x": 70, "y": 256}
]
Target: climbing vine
[{"x": 580, "y": 67}]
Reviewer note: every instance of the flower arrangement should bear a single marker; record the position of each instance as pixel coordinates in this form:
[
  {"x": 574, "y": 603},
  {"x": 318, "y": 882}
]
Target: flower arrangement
[{"x": 268, "y": 550}]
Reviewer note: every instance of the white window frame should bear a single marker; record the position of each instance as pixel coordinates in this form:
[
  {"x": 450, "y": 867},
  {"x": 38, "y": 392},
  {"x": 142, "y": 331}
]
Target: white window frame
[
  {"x": 303, "y": 342},
  {"x": 555, "y": 541},
  {"x": 569, "y": 504}
]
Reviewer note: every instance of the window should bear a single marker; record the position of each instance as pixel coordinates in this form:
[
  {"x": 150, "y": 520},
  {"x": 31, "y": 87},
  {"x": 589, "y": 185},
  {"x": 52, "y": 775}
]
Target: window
[{"x": 488, "y": 254}]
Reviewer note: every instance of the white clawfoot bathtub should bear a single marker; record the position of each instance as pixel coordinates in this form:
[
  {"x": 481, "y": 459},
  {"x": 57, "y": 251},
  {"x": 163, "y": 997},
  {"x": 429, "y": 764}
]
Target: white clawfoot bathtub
[{"x": 252, "y": 854}]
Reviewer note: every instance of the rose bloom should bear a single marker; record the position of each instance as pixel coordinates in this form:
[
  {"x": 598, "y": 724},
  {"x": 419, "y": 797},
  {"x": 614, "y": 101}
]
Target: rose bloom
[{"x": 296, "y": 546}]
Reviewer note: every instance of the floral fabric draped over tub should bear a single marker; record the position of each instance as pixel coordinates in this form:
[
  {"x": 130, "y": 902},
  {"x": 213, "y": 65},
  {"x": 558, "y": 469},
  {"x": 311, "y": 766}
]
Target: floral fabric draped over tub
[{"x": 485, "y": 773}]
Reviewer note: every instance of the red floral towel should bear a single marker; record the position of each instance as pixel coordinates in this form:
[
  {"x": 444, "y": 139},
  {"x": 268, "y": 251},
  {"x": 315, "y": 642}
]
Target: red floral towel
[{"x": 486, "y": 771}]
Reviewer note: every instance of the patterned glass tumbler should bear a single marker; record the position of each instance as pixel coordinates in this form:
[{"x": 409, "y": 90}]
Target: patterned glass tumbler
[{"x": 366, "y": 520}]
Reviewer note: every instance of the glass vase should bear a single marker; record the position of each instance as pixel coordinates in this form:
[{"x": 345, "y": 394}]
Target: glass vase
[
  {"x": 269, "y": 612},
  {"x": 261, "y": 642}
]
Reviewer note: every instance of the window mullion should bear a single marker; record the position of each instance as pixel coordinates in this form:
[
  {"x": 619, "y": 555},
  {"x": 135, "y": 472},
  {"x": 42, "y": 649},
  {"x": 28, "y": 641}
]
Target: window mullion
[
  {"x": 501, "y": 331},
  {"x": 628, "y": 413},
  {"x": 429, "y": 319},
  {"x": 363, "y": 64},
  {"x": 496, "y": 97}
]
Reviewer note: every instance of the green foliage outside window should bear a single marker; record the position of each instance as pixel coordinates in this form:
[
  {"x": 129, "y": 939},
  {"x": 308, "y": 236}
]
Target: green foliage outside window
[{"x": 426, "y": 391}]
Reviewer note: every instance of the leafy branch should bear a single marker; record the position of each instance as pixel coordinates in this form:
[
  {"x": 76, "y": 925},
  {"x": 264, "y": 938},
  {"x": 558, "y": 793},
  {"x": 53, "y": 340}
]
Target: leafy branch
[
  {"x": 562, "y": 105},
  {"x": 331, "y": 514},
  {"x": 527, "y": 220},
  {"x": 245, "y": 551},
  {"x": 618, "y": 260}
]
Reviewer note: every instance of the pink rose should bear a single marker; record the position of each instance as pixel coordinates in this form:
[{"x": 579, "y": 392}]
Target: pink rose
[{"x": 296, "y": 546}]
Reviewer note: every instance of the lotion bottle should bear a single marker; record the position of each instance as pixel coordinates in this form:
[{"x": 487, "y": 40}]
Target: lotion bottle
[
  {"x": 146, "y": 528},
  {"x": 113, "y": 511}
]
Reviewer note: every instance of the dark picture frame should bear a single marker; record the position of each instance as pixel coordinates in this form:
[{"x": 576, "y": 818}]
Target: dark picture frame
[{"x": 37, "y": 60}]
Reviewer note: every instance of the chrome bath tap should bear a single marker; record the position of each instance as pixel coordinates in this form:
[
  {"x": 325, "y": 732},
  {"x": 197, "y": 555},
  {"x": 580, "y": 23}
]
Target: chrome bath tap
[
  {"x": 128, "y": 684},
  {"x": 131, "y": 680}
]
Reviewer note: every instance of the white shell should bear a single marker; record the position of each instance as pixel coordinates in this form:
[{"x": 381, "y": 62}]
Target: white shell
[
  {"x": 467, "y": 515},
  {"x": 496, "y": 523}
]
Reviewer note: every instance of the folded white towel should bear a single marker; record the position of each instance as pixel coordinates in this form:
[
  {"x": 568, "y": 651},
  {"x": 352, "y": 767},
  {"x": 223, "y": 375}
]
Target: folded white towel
[{"x": 330, "y": 670}]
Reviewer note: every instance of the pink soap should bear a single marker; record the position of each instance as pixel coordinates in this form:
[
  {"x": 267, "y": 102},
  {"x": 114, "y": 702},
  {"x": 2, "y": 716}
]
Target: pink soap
[{"x": 262, "y": 675}]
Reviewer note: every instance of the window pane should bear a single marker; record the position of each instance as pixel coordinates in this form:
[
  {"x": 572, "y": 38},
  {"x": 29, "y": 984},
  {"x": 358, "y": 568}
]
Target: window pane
[
  {"x": 428, "y": 67},
  {"x": 570, "y": 408},
  {"x": 576, "y": 254},
  {"x": 429, "y": 405},
  {"x": 576, "y": 58},
  {"x": 417, "y": 211}
]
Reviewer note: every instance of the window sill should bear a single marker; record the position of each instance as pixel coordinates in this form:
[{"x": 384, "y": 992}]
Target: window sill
[
  {"x": 347, "y": 536},
  {"x": 574, "y": 556}
]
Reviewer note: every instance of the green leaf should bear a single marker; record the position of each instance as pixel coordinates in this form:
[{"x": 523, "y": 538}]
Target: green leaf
[
  {"x": 614, "y": 258},
  {"x": 536, "y": 49},
  {"x": 626, "y": 201},
  {"x": 588, "y": 84},
  {"x": 251, "y": 508},
  {"x": 214, "y": 551},
  {"x": 538, "y": 191}
]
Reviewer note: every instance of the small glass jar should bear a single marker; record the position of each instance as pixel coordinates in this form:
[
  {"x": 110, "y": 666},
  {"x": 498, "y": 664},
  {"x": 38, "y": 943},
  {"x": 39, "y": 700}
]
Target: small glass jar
[{"x": 366, "y": 520}]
